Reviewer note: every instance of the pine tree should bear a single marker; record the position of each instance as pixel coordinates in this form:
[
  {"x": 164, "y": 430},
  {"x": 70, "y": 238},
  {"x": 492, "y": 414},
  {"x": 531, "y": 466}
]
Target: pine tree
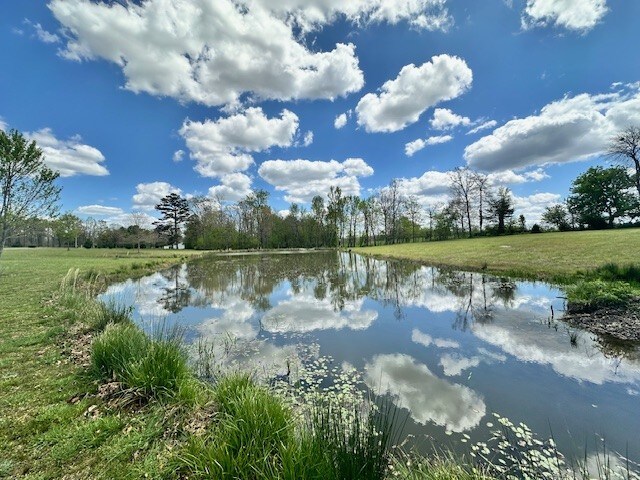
[{"x": 175, "y": 212}]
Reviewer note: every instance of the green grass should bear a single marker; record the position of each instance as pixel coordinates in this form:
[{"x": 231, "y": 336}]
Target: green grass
[
  {"x": 558, "y": 256},
  {"x": 42, "y": 435}
]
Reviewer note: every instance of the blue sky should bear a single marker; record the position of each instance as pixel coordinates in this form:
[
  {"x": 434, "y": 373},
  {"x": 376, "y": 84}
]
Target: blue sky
[{"x": 133, "y": 100}]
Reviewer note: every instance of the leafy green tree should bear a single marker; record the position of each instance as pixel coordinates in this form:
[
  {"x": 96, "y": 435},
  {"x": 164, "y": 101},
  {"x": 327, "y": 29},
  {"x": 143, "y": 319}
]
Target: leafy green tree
[
  {"x": 27, "y": 185},
  {"x": 556, "y": 216},
  {"x": 68, "y": 228},
  {"x": 501, "y": 207},
  {"x": 175, "y": 212},
  {"x": 601, "y": 195}
]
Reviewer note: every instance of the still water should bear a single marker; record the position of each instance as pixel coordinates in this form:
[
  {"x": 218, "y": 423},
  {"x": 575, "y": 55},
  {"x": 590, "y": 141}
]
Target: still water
[{"x": 450, "y": 348}]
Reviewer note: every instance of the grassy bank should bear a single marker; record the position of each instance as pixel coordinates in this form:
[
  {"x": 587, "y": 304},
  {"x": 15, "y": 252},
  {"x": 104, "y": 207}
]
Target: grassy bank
[
  {"x": 46, "y": 429},
  {"x": 558, "y": 257}
]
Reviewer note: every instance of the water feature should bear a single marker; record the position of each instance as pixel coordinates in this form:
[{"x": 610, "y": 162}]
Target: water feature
[{"x": 449, "y": 347}]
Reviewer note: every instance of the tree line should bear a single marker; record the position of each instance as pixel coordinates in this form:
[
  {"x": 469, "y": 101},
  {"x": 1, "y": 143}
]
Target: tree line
[{"x": 599, "y": 198}]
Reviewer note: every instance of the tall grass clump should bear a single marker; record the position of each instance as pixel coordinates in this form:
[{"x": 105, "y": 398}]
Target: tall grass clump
[
  {"x": 162, "y": 371},
  {"x": 612, "y": 272},
  {"x": 589, "y": 295},
  {"x": 252, "y": 433},
  {"x": 355, "y": 441},
  {"x": 116, "y": 349},
  {"x": 110, "y": 312}
]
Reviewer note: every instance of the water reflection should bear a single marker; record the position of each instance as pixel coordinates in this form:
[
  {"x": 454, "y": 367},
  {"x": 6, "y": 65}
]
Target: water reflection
[
  {"x": 447, "y": 346},
  {"x": 427, "y": 397}
]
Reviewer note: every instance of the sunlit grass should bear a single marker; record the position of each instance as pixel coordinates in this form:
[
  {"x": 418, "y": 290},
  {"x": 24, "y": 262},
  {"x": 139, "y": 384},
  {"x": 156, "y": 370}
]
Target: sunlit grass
[{"x": 549, "y": 256}]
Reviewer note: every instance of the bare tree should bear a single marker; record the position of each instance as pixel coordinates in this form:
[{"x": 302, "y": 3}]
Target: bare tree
[
  {"x": 414, "y": 213},
  {"x": 139, "y": 221},
  {"x": 464, "y": 187},
  {"x": 482, "y": 190},
  {"x": 625, "y": 146}
]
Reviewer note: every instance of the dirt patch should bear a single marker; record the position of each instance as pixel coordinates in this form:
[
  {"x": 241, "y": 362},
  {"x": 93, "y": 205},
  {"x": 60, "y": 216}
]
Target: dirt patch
[{"x": 618, "y": 323}]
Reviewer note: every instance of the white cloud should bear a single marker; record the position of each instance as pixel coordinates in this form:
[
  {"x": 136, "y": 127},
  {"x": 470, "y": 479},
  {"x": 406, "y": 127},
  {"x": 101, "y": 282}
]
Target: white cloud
[
  {"x": 223, "y": 146},
  {"x": 445, "y": 119},
  {"x": 4, "y": 126},
  {"x": 401, "y": 101},
  {"x": 303, "y": 179},
  {"x": 438, "y": 139},
  {"x": 570, "y": 129},
  {"x": 311, "y": 14},
  {"x": 509, "y": 177},
  {"x": 483, "y": 126},
  {"x": 533, "y": 206},
  {"x": 233, "y": 187},
  {"x": 99, "y": 210},
  {"x": 418, "y": 144},
  {"x": 430, "y": 183},
  {"x": 308, "y": 138},
  {"x": 413, "y": 147},
  {"x": 340, "y": 121},
  {"x": 69, "y": 157},
  {"x": 581, "y": 15},
  {"x": 150, "y": 194},
  {"x": 43, "y": 35},
  {"x": 357, "y": 167},
  {"x": 182, "y": 49},
  {"x": 178, "y": 156},
  {"x": 427, "y": 397}
]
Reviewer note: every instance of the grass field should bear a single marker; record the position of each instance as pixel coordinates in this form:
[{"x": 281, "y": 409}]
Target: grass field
[
  {"x": 560, "y": 256},
  {"x": 42, "y": 435}
]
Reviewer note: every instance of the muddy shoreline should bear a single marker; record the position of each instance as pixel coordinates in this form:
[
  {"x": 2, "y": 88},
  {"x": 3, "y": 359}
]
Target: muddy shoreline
[{"x": 622, "y": 323}]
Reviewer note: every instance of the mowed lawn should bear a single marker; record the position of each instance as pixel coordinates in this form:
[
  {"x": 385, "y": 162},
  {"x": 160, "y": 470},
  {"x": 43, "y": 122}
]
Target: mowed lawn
[
  {"x": 545, "y": 256},
  {"x": 36, "y": 377}
]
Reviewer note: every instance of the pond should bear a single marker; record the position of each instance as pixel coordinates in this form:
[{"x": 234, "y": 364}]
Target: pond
[{"x": 449, "y": 348}]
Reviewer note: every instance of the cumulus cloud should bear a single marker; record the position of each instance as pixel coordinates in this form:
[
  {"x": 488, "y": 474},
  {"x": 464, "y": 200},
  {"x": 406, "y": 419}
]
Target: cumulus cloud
[
  {"x": 181, "y": 49},
  {"x": 580, "y": 15},
  {"x": 340, "y": 121},
  {"x": 483, "y": 126},
  {"x": 312, "y": 14},
  {"x": 223, "y": 146},
  {"x": 445, "y": 119},
  {"x": 301, "y": 180},
  {"x": 570, "y": 129},
  {"x": 509, "y": 177},
  {"x": 149, "y": 194},
  {"x": 69, "y": 157},
  {"x": 533, "y": 206},
  {"x": 308, "y": 138},
  {"x": 178, "y": 156},
  {"x": 233, "y": 187},
  {"x": 413, "y": 147},
  {"x": 427, "y": 397},
  {"x": 99, "y": 211},
  {"x": 402, "y": 100}
]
